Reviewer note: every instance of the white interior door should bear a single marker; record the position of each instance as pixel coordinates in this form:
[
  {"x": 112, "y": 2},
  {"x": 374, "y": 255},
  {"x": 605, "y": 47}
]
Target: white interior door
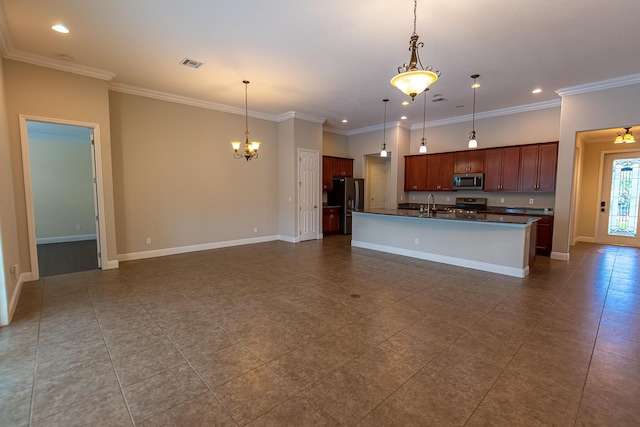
[
  {"x": 377, "y": 186},
  {"x": 308, "y": 194},
  {"x": 618, "y": 221}
]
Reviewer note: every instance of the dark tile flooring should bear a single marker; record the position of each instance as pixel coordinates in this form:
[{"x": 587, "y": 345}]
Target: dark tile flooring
[
  {"x": 319, "y": 333},
  {"x": 67, "y": 257}
]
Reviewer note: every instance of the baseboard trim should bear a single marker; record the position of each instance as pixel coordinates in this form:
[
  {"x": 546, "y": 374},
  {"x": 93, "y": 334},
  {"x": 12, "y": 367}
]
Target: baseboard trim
[
  {"x": 194, "y": 248},
  {"x": 24, "y": 277},
  {"x": 65, "y": 239},
  {"x": 585, "y": 239},
  {"x": 110, "y": 265},
  {"x": 560, "y": 256},
  {"x": 288, "y": 239}
]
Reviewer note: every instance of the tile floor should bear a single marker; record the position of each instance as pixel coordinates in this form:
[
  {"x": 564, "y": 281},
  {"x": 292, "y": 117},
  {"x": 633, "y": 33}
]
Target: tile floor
[{"x": 319, "y": 333}]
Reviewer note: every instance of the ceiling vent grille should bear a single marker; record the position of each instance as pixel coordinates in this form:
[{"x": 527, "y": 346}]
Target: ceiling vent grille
[
  {"x": 191, "y": 63},
  {"x": 438, "y": 99}
]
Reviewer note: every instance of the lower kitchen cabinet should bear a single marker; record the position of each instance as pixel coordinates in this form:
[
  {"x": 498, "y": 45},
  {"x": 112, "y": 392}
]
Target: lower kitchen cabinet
[
  {"x": 544, "y": 238},
  {"x": 330, "y": 220}
]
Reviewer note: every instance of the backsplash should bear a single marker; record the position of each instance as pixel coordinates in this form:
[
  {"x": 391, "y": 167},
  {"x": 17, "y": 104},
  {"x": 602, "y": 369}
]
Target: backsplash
[{"x": 540, "y": 200}]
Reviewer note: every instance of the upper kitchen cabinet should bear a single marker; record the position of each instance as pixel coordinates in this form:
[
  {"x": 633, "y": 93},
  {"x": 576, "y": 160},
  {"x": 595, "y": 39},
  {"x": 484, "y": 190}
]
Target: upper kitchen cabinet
[
  {"x": 471, "y": 161},
  {"x": 440, "y": 172},
  {"x": 501, "y": 167},
  {"x": 342, "y": 167},
  {"x": 538, "y": 164},
  {"x": 415, "y": 173},
  {"x": 335, "y": 167}
]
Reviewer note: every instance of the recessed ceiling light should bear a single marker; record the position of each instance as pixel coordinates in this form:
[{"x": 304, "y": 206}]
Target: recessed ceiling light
[
  {"x": 60, "y": 28},
  {"x": 403, "y": 118},
  {"x": 405, "y": 102},
  {"x": 345, "y": 121},
  {"x": 536, "y": 90}
]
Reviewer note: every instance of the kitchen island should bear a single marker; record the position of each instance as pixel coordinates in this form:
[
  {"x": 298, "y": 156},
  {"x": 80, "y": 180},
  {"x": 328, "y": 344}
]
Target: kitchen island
[{"x": 496, "y": 243}]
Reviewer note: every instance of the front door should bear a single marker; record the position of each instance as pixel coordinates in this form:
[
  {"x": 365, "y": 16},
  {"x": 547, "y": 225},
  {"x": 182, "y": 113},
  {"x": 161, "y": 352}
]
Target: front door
[
  {"x": 618, "y": 222},
  {"x": 308, "y": 194}
]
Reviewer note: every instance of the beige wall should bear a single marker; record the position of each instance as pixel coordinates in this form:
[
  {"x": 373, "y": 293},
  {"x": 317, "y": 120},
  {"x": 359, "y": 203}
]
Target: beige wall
[
  {"x": 605, "y": 109},
  {"x": 46, "y": 93},
  {"x": 9, "y": 247},
  {"x": 514, "y": 129},
  {"x": 176, "y": 181},
  {"x": 62, "y": 184},
  {"x": 334, "y": 145}
]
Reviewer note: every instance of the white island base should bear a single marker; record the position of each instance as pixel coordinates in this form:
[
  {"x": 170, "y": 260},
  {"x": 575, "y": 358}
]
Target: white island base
[{"x": 496, "y": 247}]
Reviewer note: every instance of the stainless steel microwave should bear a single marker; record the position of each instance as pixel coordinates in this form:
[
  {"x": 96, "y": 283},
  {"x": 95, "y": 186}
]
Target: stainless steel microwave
[{"x": 468, "y": 181}]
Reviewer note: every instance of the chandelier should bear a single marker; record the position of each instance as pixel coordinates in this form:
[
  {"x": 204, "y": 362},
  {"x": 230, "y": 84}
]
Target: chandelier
[
  {"x": 473, "y": 143},
  {"x": 626, "y": 137},
  {"x": 413, "y": 80},
  {"x": 250, "y": 148},
  {"x": 383, "y": 152}
]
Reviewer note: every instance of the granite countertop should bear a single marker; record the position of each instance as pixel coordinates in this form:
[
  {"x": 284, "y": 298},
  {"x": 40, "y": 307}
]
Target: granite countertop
[
  {"x": 490, "y": 209},
  {"x": 331, "y": 206},
  {"x": 479, "y": 217}
]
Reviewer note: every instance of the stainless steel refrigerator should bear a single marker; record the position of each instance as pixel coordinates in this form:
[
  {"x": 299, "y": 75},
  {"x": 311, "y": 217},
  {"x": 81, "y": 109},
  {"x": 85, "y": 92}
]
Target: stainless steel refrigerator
[{"x": 348, "y": 193}]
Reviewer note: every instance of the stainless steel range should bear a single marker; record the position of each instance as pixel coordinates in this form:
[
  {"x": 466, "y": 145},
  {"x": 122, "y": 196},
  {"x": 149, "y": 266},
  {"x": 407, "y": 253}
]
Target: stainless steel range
[{"x": 469, "y": 205}]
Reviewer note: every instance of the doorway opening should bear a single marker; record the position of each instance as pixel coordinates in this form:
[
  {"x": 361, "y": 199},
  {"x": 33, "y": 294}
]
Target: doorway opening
[
  {"x": 63, "y": 195},
  {"x": 377, "y": 177}
]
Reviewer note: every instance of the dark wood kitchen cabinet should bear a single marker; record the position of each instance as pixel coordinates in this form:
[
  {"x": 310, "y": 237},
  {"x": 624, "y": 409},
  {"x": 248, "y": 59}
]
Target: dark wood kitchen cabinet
[
  {"x": 538, "y": 163},
  {"x": 330, "y": 220},
  {"x": 544, "y": 236},
  {"x": 471, "y": 161},
  {"x": 501, "y": 167},
  {"x": 415, "y": 173},
  {"x": 440, "y": 172},
  {"x": 335, "y": 167}
]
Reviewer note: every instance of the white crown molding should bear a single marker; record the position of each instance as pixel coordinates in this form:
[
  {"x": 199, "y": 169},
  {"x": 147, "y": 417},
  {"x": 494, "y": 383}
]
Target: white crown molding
[
  {"x": 334, "y": 130},
  {"x": 376, "y": 128},
  {"x": 601, "y": 85},
  {"x": 302, "y": 116},
  {"x": 164, "y": 96},
  {"x": 60, "y": 65}
]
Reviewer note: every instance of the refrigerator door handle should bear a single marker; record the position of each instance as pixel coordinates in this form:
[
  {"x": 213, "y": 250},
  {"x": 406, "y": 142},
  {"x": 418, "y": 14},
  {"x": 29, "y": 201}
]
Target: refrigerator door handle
[{"x": 357, "y": 203}]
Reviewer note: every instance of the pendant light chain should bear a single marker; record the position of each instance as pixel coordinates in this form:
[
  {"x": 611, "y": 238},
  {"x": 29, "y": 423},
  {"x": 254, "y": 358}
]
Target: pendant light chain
[
  {"x": 473, "y": 119},
  {"x": 415, "y": 14},
  {"x": 424, "y": 113}
]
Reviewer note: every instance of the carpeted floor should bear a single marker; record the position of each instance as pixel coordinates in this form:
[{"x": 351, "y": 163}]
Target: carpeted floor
[{"x": 67, "y": 257}]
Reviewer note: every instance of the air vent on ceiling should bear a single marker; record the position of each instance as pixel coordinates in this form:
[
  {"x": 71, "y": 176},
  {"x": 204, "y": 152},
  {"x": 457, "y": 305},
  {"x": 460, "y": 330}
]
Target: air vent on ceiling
[
  {"x": 438, "y": 99},
  {"x": 191, "y": 63}
]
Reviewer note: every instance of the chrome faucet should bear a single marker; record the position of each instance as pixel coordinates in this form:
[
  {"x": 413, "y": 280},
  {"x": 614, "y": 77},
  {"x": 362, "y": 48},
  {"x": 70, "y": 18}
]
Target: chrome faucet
[{"x": 430, "y": 199}]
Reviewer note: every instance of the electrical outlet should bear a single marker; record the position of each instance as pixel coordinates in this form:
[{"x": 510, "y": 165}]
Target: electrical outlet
[
  {"x": 14, "y": 271},
  {"x": 416, "y": 241},
  {"x": 78, "y": 228},
  {"x": 413, "y": 197},
  {"x": 255, "y": 229},
  {"x": 448, "y": 198},
  {"x": 501, "y": 199},
  {"x": 401, "y": 198},
  {"x": 148, "y": 240},
  {"x": 530, "y": 201}
]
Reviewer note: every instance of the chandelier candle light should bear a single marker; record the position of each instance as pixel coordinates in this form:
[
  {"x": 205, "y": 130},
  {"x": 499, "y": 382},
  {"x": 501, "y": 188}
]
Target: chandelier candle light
[
  {"x": 250, "y": 148},
  {"x": 413, "y": 80},
  {"x": 473, "y": 143},
  {"x": 383, "y": 152}
]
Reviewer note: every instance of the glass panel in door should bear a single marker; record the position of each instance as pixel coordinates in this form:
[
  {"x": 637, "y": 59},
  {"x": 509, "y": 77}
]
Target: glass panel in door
[{"x": 623, "y": 205}]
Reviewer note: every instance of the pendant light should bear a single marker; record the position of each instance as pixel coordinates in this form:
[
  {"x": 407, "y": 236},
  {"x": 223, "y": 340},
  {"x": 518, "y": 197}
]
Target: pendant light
[
  {"x": 473, "y": 143},
  {"x": 423, "y": 141},
  {"x": 383, "y": 152},
  {"x": 626, "y": 137},
  {"x": 250, "y": 148},
  {"x": 413, "y": 80}
]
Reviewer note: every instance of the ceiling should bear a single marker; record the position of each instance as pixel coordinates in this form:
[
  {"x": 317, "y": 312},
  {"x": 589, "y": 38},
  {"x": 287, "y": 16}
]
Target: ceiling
[{"x": 332, "y": 59}]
